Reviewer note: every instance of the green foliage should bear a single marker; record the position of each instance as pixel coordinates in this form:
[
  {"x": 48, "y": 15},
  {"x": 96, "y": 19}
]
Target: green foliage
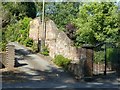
[
  {"x": 70, "y": 31},
  {"x": 97, "y": 22},
  {"x": 99, "y": 56},
  {"x": 13, "y": 12},
  {"x": 28, "y": 42},
  {"x": 3, "y": 41},
  {"x": 19, "y": 31},
  {"x": 21, "y": 40},
  {"x": 15, "y": 22},
  {"x": 2, "y": 46},
  {"x": 35, "y": 47},
  {"x": 21, "y": 9},
  {"x": 62, "y": 13},
  {"x": 113, "y": 55},
  {"x": 45, "y": 51},
  {"x": 61, "y": 61}
]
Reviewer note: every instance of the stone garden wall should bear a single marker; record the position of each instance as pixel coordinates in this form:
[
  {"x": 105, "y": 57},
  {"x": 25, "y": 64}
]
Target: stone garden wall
[
  {"x": 59, "y": 44},
  {"x": 56, "y": 40},
  {"x": 35, "y": 25}
]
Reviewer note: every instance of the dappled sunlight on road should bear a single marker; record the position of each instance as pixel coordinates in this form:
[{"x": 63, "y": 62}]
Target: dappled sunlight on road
[{"x": 34, "y": 71}]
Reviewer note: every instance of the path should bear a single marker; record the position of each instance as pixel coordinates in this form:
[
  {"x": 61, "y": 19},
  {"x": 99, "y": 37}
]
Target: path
[{"x": 38, "y": 72}]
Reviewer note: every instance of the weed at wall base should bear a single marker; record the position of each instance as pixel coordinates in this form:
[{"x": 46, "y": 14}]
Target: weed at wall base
[{"x": 61, "y": 61}]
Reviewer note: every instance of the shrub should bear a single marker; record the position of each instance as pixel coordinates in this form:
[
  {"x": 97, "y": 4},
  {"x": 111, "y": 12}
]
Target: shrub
[
  {"x": 61, "y": 61},
  {"x": 3, "y": 46},
  {"x": 99, "y": 56},
  {"x": 19, "y": 32},
  {"x": 45, "y": 51},
  {"x": 113, "y": 56},
  {"x": 28, "y": 42},
  {"x": 35, "y": 47},
  {"x": 21, "y": 40}
]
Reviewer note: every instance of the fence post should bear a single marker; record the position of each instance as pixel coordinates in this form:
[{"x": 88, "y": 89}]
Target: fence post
[{"x": 105, "y": 60}]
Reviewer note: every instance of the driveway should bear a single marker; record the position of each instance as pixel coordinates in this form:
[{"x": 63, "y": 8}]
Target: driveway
[{"x": 37, "y": 71}]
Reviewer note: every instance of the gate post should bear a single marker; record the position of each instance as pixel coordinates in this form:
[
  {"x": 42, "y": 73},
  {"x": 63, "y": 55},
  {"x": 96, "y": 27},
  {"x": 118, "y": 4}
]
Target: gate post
[
  {"x": 88, "y": 65},
  {"x": 10, "y": 54}
]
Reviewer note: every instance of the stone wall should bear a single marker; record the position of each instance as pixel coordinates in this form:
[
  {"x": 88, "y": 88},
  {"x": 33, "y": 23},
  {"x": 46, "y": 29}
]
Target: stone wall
[
  {"x": 59, "y": 44},
  {"x": 34, "y": 27},
  {"x": 56, "y": 40}
]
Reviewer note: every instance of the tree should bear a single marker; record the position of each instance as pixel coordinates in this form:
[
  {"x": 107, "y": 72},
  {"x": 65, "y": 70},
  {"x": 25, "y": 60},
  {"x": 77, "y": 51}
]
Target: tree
[
  {"x": 18, "y": 31},
  {"x": 62, "y": 13},
  {"x": 16, "y": 11},
  {"x": 97, "y": 22},
  {"x": 12, "y": 14},
  {"x": 70, "y": 31},
  {"x": 59, "y": 11}
]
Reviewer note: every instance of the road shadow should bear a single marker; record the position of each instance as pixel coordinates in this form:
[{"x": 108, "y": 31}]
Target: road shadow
[
  {"x": 19, "y": 55},
  {"x": 13, "y": 76},
  {"x": 17, "y": 64},
  {"x": 46, "y": 79},
  {"x": 54, "y": 75},
  {"x": 109, "y": 77},
  {"x": 2, "y": 65},
  {"x": 23, "y": 52}
]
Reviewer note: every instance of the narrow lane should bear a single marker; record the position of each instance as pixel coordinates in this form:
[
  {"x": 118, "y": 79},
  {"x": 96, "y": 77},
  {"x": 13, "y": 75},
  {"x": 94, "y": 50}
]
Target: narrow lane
[{"x": 38, "y": 72}]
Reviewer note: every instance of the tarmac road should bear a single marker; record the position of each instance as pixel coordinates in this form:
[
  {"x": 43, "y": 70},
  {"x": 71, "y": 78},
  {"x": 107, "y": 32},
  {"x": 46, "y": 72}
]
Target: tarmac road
[{"x": 38, "y": 72}]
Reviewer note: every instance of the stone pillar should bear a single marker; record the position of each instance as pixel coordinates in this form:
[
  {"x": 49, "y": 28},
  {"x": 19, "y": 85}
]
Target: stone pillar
[
  {"x": 88, "y": 64},
  {"x": 10, "y": 54},
  {"x": 82, "y": 61}
]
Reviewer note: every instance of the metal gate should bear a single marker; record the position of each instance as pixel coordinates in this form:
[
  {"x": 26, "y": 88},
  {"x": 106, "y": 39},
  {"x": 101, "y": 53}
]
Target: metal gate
[{"x": 106, "y": 58}]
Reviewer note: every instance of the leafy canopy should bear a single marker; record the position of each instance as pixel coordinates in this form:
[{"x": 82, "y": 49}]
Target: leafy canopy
[{"x": 97, "y": 22}]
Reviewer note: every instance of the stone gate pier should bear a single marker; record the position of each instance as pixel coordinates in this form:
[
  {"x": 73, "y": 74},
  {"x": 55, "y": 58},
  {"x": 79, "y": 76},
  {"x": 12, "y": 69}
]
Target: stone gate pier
[
  {"x": 8, "y": 58},
  {"x": 10, "y": 54}
]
